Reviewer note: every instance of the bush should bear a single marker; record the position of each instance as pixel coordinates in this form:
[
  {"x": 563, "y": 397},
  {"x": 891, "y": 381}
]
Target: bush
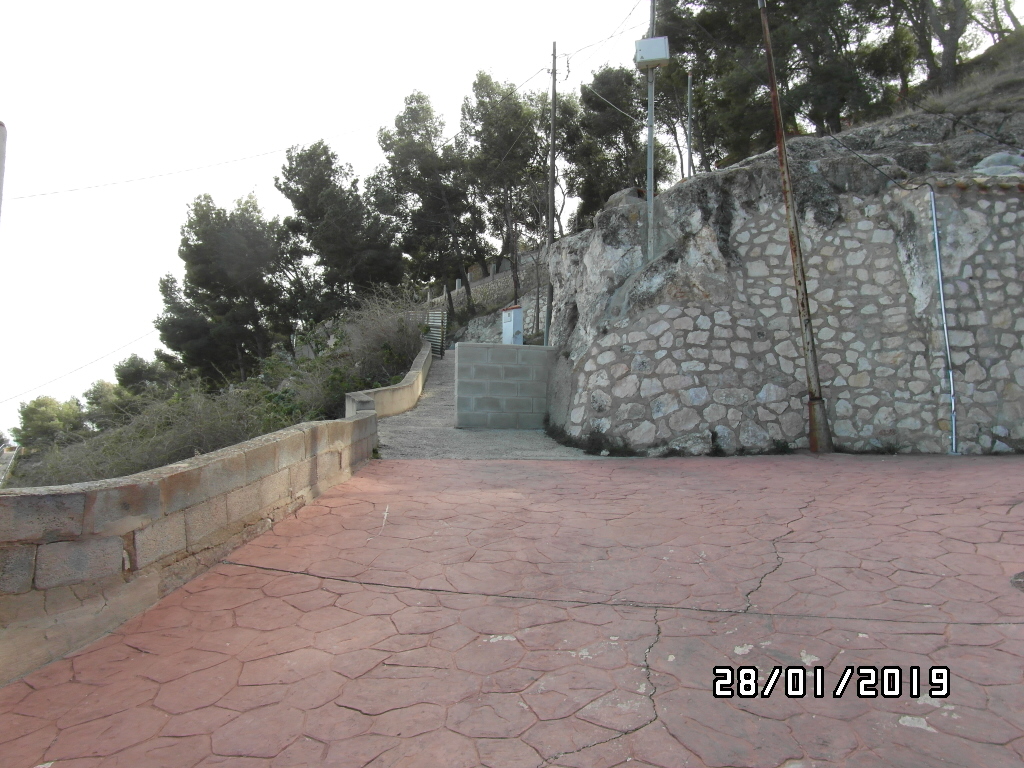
[
  {"x": 190, "y": 423},
  {"x": 154, "y": 416}
]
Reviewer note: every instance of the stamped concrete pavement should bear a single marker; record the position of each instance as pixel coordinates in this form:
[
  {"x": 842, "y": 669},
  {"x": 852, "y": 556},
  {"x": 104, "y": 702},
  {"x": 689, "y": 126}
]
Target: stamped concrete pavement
[{"x": 517, "y": 614}]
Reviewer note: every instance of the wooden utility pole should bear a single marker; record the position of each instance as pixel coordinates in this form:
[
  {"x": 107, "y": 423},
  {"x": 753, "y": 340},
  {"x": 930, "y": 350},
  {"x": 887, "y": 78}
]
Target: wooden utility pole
[
  {"x": 551, "y": 195},
  {"x": 819, "y": 434}
]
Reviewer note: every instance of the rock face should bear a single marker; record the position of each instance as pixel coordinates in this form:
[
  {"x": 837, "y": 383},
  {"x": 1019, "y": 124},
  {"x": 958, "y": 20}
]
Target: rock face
[{"x": 696, "y": 347}]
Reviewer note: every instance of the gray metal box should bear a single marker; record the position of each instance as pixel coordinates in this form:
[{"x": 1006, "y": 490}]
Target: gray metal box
[{"x": 652, "y": 52}]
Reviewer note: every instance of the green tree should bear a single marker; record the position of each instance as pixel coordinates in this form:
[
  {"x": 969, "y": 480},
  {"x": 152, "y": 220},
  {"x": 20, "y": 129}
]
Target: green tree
[
  {"x": 836, "y": 61},
  {"x": 507, "y": 161},
  {"x": 46, "y": 421},
  {"x": 219, "y": 319},
  {"x": 109, "y": 405},
  {"x": 140, "y": 376},
  {"x": 608, "y": 152},
  {"x": 425, "y": 189},
  {"x": 353, "y": 246}
]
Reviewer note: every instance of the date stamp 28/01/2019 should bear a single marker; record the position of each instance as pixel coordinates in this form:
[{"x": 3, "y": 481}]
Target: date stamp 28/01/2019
[{"x": 870, "y": 683}]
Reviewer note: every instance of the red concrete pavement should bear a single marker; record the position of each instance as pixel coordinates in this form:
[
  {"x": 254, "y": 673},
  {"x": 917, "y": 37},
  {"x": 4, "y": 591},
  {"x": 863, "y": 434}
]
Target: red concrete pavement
[{"x": 526, "y": 613}]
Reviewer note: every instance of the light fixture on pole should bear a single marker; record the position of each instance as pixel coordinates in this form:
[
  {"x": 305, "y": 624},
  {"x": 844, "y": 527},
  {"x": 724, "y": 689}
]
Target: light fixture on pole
[{"x": 651, "y": 53}]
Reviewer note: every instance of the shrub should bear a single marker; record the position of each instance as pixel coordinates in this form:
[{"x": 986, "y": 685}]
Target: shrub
[
  {"x": 190, "y": 423},
  {"x": 155, "y": 416}
]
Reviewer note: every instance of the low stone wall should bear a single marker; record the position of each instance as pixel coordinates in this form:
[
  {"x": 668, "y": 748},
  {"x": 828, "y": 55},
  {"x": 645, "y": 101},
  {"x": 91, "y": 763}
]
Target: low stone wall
[
  {"x": 388, "y": 401},
  {"x": 78, "y": 560},
  {"x": 501, "y": 386}
]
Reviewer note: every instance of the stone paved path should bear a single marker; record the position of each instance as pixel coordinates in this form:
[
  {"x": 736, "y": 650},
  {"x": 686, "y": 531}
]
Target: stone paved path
[
  {"x": 517, "y": 614},
  {"x": 427, "y": 431}
]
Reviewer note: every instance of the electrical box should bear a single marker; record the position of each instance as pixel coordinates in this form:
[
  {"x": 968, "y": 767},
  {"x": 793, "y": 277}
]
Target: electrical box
[
  {"x": 512, "y": 325},
  {"x": 651, "y": 52}
]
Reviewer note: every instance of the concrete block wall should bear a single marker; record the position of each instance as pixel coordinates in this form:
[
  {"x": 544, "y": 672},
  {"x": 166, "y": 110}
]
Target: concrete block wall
[
  {"x": 501, "y": 386},
  {"x": 78, "y": 560}
]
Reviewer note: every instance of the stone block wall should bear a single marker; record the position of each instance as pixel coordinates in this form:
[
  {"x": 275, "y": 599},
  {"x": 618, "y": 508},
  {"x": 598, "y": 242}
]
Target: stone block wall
[
  {"x": 78, "y": 560},
  {"x": 501, "y": 386},
  {"x": 497, "y": 291},
  {"x": 713, "y": 359}
]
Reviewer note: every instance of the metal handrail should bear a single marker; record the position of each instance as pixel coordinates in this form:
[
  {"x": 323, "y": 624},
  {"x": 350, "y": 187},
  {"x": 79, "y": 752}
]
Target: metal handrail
[{"x": 9, "y": 467}]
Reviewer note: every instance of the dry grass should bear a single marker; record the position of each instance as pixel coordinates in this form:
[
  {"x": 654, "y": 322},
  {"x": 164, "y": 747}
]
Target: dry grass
[
  {"x": 190, "y": 423},
  {"x": 999, "y": 91},
  {"x": 375, "y": 346}
]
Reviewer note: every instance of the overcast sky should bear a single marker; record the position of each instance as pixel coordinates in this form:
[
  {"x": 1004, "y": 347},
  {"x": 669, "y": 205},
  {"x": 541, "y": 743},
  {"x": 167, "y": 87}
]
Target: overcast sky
[{"x": 98, "y": 93}]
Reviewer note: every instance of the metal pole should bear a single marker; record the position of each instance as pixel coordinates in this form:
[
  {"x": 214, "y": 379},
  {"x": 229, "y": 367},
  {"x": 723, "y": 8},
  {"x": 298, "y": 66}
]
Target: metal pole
[
  {"x": 3, "y": 158},
  {"x": 819, "y": 435},
  {"x": 945, "y": 327},
  {"x": 650, "y": 150},
  {"x": 689, "y": 123},
  {"x": 551, "y": 195}
]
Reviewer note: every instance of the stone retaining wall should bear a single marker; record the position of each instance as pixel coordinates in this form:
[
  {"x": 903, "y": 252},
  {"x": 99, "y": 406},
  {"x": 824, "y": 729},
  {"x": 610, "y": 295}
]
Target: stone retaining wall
[
  {"x": 78, "y": 560},
  {"x": 706, "y": 354},
  {"x": 496, "y": 291}
]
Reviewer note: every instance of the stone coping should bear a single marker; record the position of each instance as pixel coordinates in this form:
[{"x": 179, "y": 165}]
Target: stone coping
[
  {"x": 398, "y": 398},
  {"x": 78, "y": 560}
]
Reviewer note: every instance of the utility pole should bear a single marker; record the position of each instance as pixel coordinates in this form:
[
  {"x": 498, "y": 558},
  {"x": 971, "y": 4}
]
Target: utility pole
[
  {"x": 650, "y": 148},
  {"x": 689, "y": 123},
  {"x": 551, "y": 195},
  {"x": 3, "y": 157},
  {"x": 819, "y": 434}
]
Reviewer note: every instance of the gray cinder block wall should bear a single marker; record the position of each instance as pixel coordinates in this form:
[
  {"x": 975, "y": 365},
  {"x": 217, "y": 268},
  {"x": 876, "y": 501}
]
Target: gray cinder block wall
[{"x": 502, "y": 386}]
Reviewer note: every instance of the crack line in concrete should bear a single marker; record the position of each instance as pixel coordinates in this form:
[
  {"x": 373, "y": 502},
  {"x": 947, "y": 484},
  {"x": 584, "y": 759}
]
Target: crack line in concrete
[
  {"x": 654, "y": 705},
  {"x": 778, "y": 556},
  {"x": 632, "y": 603}
]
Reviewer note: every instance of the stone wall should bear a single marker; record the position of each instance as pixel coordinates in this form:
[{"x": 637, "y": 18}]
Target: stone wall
[
  {"x": 501, "y": 386},
  {"x": 496, "y": 291},
  {"x": 699, "y": 350},
  {"x": 78, "y": 560},
  {"x": 398, "y": 398},
  {"x": 487, "y": 329}
]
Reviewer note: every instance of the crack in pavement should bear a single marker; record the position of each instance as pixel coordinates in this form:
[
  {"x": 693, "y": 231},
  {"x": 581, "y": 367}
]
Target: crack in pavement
[
  {"x": 634, "y": 603},
  {"x": 778, "y": 557},
  {"x": 654, "y": 705}
]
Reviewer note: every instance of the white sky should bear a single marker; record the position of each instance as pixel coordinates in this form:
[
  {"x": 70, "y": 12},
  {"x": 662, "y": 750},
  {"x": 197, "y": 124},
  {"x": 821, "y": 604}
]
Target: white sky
[{"x": 101, "y": 92}]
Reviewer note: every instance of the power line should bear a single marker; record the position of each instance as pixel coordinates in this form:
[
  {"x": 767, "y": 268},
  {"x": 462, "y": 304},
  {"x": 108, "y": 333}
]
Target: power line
[
  {"x": 79, "y": 368},
  {"x": 147, "y": 178},
  {"x": 615, "y": 33},
  {"x": 602, "y": 98},
  {"x": 518, "y": 88}
]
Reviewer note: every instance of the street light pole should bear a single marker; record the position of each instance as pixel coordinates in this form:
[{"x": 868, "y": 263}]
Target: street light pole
[
  {"x": 819, "y": 435},
  {"x": 650, "y": 148}
]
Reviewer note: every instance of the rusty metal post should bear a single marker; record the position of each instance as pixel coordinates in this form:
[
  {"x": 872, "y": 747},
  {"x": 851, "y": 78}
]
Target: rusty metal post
[{"x": 819, "y": 434}]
